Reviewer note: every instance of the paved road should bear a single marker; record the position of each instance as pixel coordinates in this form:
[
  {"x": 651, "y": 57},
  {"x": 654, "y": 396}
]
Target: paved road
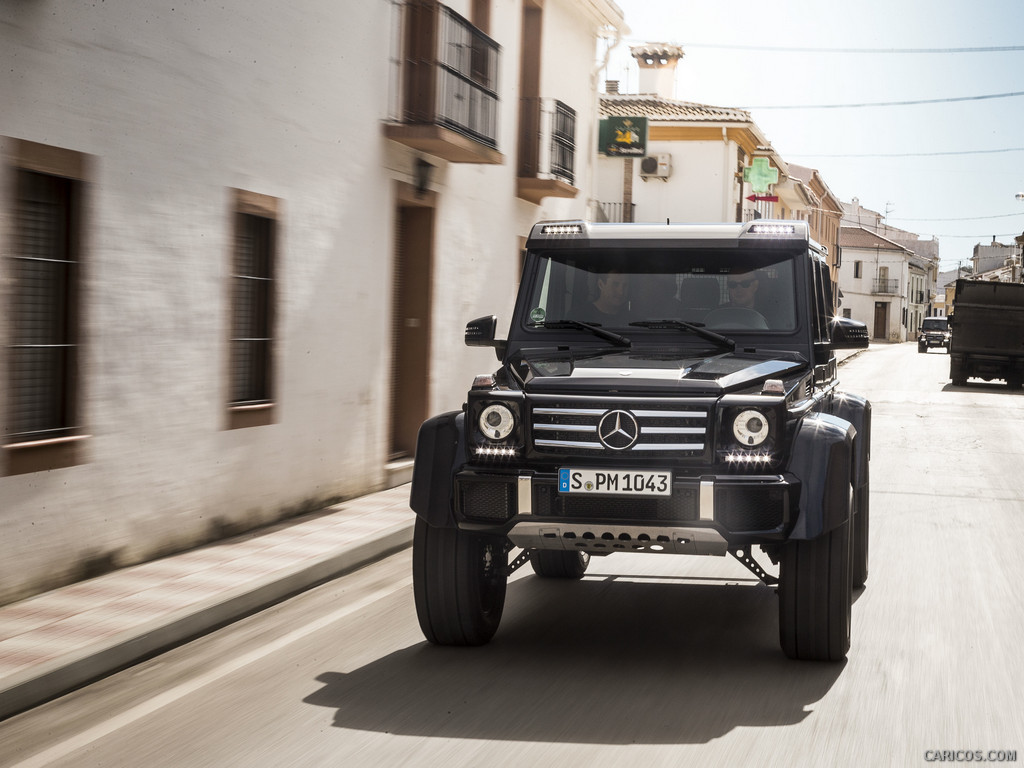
[{"x": 651, "y": 660}]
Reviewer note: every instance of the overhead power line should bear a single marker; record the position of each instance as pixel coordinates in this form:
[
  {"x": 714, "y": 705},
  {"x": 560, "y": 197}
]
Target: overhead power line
[
  {"x": 890, "y": 103},
  {"x": 918, "y": 154},
  {"x": 968, "y": 218},
  {"x": 784, "y": 49}
]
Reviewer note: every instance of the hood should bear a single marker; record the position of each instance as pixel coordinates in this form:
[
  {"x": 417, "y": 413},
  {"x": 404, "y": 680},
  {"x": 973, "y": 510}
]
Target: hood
[{"x": 645, "y": 371}]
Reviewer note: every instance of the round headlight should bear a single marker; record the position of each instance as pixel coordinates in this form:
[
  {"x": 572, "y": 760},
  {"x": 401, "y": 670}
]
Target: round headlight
[
  {"x": 750, "y": 428},
  {"x": 496, "y": 422}
]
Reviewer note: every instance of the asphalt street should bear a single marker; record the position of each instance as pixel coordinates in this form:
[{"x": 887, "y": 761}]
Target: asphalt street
[{"x": 651, "y": 660}]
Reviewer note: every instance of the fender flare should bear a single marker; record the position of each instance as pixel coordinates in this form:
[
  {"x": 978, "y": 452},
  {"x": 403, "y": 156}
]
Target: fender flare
[
  {"x": 822, "y": 460},
  {"x": 440, "y": 451},
  {"x": 857, "y": 410}
]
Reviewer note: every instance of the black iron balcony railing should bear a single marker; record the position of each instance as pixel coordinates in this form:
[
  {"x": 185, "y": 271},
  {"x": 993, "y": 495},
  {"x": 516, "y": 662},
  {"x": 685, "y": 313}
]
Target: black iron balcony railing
[
  {"x": 547, "y": 140},
  {"x": 885, "y": 285},
  {"x": 547, "y": 149},
  {"x": 616, "y": 212},
  {"x": 447, "y": 76}
]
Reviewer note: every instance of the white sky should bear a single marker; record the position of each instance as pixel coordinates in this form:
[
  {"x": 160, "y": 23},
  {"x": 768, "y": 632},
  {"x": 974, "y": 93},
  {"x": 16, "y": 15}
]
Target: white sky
[{"x": 964, "y": 199}]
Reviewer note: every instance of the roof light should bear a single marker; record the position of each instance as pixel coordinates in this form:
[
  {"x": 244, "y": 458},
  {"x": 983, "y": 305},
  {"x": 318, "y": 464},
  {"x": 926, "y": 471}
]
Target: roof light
[
  {"x": 562, "y": 229},
  {"x": 772, "y": 229}
]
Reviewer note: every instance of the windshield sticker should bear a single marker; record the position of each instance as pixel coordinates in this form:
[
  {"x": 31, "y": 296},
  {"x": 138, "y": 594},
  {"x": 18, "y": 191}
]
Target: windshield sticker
[{"x": 537, "y": 315}]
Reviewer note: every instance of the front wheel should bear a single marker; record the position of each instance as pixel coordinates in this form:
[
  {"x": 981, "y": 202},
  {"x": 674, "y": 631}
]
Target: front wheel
[
  {"x": 815, "y": 596},
  {"x": 459, "y": 581},
  {"x": 559, "y": 564}
]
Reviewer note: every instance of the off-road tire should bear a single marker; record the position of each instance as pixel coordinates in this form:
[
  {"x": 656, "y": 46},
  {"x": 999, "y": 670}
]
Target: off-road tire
[
  {"x": 459, "y": 581},
  {"x": 815, "y": 596},
  {"x": 957, "y": 376},
  {"x": 559, "y": 564}
]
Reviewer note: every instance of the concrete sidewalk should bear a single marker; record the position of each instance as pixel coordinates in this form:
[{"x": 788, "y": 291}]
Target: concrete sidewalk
[{"x": 56, "y": 641}]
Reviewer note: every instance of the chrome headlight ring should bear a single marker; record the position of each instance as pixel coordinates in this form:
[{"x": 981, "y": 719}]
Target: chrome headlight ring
[
  {"x": 496, "y": 422},
  {"x": 751, "y": 428}
]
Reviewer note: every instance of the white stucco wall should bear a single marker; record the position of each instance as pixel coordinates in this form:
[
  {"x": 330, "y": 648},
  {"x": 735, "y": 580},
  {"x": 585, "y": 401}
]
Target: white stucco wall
[
  {"x": 858, "y": 293},
  {"x": 176, "y": 105},
  {"x": 700, "y": 188}
]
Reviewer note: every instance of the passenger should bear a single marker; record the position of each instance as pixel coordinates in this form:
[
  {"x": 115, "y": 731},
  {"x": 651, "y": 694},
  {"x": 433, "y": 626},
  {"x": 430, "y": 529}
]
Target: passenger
[{"x": 612, "y": 300}]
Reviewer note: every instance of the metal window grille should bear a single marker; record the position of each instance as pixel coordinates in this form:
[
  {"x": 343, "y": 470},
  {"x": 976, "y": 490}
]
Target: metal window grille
[
  {"x": 43, "y": 353},
  {"x": 467, "y": 74},
  {"x": 251, "y": 342},
  {"x": 563, "y": 142}
]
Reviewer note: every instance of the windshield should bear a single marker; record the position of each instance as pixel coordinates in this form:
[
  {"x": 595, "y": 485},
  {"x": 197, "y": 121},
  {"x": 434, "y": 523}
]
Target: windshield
[
  {"x": 935, "y": 324},
  {"x": 715, "y": 290}
]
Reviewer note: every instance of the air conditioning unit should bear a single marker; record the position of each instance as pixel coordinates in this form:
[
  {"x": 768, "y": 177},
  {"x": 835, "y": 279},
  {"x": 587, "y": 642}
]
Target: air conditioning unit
[{"x": 656, "y": 166}]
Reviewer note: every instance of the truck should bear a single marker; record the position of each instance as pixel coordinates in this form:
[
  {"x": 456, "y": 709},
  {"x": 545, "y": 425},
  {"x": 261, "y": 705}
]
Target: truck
[
  {"x": 662, "y": 389},
  {"x": 987, "y": 332}
]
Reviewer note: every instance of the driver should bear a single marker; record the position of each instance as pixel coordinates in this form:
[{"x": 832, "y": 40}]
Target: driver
[{"x": 743, "y": 289}]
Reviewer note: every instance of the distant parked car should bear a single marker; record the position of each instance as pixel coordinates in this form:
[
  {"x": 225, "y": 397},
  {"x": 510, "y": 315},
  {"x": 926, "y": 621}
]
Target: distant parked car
[{"x": 848, "y": 333}]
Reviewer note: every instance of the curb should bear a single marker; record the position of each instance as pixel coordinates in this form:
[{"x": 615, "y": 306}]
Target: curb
[{"x": 43, "y": 682}]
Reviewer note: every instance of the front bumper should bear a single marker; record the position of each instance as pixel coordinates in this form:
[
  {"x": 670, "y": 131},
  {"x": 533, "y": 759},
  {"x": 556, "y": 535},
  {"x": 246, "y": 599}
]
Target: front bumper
[
  {"x": 933, "y": 341},
  {"x": 703, "y": 515}
]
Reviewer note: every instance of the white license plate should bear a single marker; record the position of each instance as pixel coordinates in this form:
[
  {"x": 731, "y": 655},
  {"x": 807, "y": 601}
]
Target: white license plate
[{"x": 615, "y": 482}]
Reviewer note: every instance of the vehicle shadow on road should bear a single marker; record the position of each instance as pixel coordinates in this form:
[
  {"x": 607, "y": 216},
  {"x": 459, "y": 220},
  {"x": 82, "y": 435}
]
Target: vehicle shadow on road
[{"x": 601, "y": 661}]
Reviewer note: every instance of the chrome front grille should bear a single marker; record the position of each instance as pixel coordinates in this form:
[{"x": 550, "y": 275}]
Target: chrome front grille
[{"x": 678, "y": 430}]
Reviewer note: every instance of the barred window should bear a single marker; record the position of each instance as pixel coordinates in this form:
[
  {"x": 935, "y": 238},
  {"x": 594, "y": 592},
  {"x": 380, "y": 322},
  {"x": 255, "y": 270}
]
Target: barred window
[
  {"x": 252, "y": 314},
  {"x": 43, "y": 353}
]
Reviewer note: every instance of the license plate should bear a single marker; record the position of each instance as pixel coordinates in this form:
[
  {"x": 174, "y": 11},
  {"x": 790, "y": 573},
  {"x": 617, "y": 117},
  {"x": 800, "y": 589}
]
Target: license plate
[{"x": 615, "y": 482}]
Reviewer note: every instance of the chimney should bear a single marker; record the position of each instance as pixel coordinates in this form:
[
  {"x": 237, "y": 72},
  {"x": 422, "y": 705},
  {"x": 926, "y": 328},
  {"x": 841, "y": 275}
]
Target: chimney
[
  {"x": 611, "y": 86},
  {"x": 657, "y": 68}
]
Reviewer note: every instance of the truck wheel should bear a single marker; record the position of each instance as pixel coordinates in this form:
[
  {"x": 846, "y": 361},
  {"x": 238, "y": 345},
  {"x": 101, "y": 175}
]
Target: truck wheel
[
  {"x": 956, "y": 374},
  {"x": 459, "y": 583},
  {"x": 559, "y": 564},
  {"x": 922, "y": 348},
  {"x": 1014, "y": 382},
  {"x": 860, "y": 537},
  {"x": 815, "y": 597}
]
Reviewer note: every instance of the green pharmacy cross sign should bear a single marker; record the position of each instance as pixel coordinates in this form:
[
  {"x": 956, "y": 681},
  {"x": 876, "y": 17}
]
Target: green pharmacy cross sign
[{"x": 760, "y": 174}]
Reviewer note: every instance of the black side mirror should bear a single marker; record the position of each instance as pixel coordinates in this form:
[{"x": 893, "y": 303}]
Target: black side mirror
[{"x": 481, "y": 332}]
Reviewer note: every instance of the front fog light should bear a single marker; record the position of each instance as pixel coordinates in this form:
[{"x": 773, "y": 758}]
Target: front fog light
[
  {"x": 496, "y": 422},
  {"x": 750, "y": 428}
]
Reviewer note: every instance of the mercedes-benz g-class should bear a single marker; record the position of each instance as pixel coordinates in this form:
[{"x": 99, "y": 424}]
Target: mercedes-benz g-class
[{"x": 662, "y": 389}]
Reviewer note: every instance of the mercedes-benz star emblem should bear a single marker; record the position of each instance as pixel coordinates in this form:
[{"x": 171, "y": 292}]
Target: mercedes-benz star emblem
[{"x": 618, "y": 430}]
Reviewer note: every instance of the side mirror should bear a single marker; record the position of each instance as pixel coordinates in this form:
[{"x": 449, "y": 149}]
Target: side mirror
[
  {"x": 481, "y": 332},
  {"x": 822, "y": 354}
]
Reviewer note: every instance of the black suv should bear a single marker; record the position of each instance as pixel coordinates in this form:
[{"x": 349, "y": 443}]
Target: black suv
[
  {"x": 663, "y": 389},
  {"x": 934, "y": 333}
]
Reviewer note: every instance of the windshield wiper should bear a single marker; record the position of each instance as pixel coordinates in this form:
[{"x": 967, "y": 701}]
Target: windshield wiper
[
  {"x": 682, "y": 325},
  {"x": 594, "y": 329}
]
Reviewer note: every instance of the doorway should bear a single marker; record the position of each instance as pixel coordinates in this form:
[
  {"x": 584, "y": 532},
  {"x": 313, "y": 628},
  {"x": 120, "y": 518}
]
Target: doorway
[
  {"x": 410, "y": 326},
  {"x": 881, "y": 326}
]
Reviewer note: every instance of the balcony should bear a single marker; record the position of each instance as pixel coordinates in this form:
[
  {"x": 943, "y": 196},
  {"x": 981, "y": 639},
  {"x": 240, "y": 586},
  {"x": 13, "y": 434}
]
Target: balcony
[
  {"x": 445, "y": 86},
  {"x": 547, "y": 150},
  {"x": 886, "y": 285},
  {"x": 616, "y": 212}
]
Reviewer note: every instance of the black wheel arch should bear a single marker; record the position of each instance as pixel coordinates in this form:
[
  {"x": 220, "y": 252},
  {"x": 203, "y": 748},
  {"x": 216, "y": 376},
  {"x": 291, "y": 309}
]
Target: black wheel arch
[
  {"x": 440, "y": 451},
  {"x": 857, "y": 410},
  {"x": 822, "y": 460}
]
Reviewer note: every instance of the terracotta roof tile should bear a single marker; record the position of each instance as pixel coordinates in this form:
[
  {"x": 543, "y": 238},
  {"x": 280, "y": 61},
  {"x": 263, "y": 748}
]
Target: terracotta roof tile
[{"x": 656, "y": 108}]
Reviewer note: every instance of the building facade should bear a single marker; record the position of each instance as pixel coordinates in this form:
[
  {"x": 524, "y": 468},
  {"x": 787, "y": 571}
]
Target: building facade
[
  {"x": 883, "y": 284},
  {"x": 241, "y": 243}
]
